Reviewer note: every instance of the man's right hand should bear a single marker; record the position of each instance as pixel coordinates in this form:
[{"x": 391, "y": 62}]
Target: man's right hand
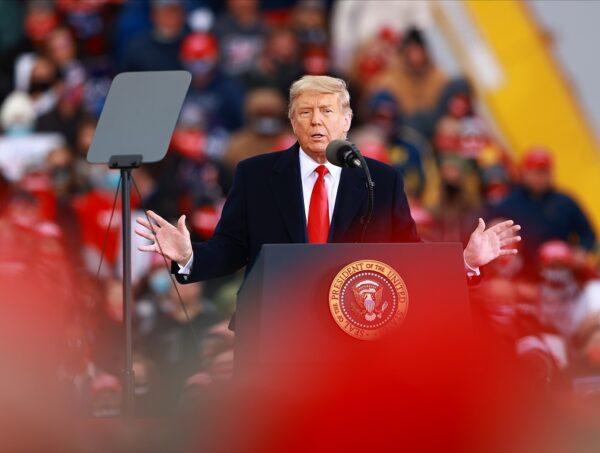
[{"x": 175, "y": 242}]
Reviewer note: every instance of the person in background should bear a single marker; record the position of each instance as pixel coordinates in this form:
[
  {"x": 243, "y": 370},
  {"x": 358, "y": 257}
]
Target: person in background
[
  {"x": 214, "y": 99},
  {"x": 415, "y": 81},
  {"x": 408, "y": 151},
  {"x": 61, "y": 49},
  {"x": 265, "y": 127},
  {"x": 373, "y": 57},
  {"x": 241, "y": 33},
  {"x": 545, "y": 212},
  {"x": 40, "y": 18},
  {"x": 68, "y": 111},
  {"x": 158, "y": 49},
  {"x": 278, "y": 65},
  {"x": 309, "y": 22},
  {"x": 459, "y": 199},
  {"x": 45, "y": 85},
  {"x": 21, "y": 148}
]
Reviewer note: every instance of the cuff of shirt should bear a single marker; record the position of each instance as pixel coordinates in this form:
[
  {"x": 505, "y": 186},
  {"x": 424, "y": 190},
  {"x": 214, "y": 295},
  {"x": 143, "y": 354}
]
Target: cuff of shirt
[
  {"x": 471, "y": 271},
  {"x": 187, "y": 269}
]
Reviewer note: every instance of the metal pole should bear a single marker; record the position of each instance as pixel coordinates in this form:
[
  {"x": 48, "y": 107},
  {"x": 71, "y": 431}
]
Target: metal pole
[{"x": 128, "y": 377}]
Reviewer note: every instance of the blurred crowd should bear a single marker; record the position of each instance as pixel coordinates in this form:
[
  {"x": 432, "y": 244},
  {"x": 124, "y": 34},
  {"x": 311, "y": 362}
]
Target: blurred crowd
[{"x": 58, "y": 59}]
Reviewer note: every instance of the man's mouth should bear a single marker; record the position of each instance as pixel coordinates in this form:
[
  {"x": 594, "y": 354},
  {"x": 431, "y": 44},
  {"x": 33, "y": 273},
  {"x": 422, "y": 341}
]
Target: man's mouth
[{"x": 317, "y": 136}]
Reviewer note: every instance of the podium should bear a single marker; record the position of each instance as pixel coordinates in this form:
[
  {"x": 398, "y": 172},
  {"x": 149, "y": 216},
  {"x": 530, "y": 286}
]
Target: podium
[
  {"x": 284, "y": 323},
  {"x": 303, "y": 381}
]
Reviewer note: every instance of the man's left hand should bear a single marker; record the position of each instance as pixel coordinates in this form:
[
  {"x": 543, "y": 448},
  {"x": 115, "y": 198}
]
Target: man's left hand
[{"x": 487, "y": 245}]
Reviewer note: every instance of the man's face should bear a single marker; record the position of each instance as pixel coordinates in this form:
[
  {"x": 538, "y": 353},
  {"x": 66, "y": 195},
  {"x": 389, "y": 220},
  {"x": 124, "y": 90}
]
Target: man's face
[
  {"x": 168, "y": 21},
  {"x": 416, "y": 57},
  {"x": 538, "y": 180},
  {"x": 317, "y": 119}
]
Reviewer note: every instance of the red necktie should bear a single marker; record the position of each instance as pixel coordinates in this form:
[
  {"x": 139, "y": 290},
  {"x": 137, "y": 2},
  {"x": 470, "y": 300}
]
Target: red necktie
[{"x": 318, "y": 212}]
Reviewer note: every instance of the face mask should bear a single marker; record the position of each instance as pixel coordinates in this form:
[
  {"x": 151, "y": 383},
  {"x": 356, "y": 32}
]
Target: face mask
[
  {"x": 160, "y": 282},
  {"x": 451, "y": 189},
  {"x": 200, "y": 68},
  {"x": 558, "y": 276},
  {"x": 111, "y": 180},
  {"x": 19, "y": 130},
  {"x": 267, "y": 125},
  {"x": 40, "y": 86}
]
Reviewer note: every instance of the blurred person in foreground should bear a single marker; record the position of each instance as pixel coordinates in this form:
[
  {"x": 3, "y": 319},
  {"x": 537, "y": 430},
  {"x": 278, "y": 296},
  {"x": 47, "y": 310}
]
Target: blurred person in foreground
[
  {"x": 545, "y": 212},
  {"x": 175, "y": 337},
  {"x": 275, "y": 195},
  {"x": 565, "y": 311}
]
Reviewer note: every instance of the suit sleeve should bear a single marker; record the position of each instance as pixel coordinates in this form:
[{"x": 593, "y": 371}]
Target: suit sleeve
[
  {"x": 227, "y": 251},
  {"x": 404, "y": 228}
]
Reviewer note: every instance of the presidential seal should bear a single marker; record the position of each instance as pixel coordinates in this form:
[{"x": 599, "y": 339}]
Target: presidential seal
[{"x": 368, "y": 299}]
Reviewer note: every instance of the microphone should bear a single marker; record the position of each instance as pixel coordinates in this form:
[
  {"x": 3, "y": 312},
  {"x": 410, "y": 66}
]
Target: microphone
[{"x": 343, "y": 154}]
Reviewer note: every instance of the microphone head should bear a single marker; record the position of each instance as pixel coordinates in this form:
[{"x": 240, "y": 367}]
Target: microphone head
[{"x": 337, "y": 151}]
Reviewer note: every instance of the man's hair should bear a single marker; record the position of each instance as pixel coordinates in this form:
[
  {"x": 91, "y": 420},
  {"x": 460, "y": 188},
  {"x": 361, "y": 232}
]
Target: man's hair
[{"x": 320, "y": 84}]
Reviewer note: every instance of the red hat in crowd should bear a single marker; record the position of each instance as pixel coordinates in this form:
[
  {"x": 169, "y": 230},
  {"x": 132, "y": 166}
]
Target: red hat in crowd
[
  {"x": 556, "y": 253},
  {"x": 537, "y": 158},
  {"x": 189, "y": 142},
  {"x": 39, "y": 22},
  {"x": 199, "y": 46}
]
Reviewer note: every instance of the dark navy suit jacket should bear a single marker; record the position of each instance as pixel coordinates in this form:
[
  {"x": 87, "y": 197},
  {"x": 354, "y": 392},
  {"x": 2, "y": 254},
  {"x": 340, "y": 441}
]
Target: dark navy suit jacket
[{"x": 266, "y": 206}]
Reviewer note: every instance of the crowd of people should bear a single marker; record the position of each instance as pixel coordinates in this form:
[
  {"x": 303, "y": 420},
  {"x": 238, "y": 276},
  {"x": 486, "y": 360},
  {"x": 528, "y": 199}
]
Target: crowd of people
[{"x": 58, "y": 59}]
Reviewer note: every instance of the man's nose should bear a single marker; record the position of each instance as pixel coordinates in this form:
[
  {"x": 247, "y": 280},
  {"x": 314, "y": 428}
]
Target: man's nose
[{"x": 316, "y": 118}]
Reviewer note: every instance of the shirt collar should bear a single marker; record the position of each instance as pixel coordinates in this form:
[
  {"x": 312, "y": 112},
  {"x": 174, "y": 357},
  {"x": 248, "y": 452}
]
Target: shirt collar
[{"x": 308, "y": 166}]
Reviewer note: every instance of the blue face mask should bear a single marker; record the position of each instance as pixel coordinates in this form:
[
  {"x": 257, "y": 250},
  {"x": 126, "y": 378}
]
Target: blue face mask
[
  {"x": 200, "y": 68},
  {"x": 19, "y": 130},
  {"x": 111, "y": 180},
  {"x": 160, "y": 282}
]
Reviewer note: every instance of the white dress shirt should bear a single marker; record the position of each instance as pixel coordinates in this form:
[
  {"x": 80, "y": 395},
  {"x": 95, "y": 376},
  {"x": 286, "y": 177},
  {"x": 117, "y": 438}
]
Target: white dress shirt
[{"x": 309, "y": 176}]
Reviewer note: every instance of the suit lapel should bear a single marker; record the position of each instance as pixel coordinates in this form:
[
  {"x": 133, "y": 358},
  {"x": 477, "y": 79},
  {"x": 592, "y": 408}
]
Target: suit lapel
[
  {"x": 286, "y": 186},
  {"x": 349, "y": 203}
]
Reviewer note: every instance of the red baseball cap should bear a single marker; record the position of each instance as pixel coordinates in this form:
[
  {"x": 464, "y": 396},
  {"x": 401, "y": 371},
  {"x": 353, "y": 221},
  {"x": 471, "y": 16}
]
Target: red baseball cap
[
  {"x": 555, "y": 253},
  {"x": 199, "y": 46},
  {"x": 537, "y": 158}
]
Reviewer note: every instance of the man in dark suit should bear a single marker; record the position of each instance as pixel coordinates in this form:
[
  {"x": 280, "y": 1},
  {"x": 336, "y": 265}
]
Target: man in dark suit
[{"x": 296, "y": 196}]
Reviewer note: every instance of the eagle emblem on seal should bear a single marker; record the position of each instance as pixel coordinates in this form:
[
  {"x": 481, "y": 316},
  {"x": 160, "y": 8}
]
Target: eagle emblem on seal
[{"x": 368, "y": 300}]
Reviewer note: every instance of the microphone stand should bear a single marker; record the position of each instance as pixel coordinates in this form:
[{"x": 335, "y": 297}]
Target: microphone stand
[{"x": 366, "y": 218}]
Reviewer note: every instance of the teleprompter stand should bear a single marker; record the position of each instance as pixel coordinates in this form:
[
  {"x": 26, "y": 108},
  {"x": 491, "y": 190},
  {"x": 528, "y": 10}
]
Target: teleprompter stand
[{"x": 135, "y": 127}]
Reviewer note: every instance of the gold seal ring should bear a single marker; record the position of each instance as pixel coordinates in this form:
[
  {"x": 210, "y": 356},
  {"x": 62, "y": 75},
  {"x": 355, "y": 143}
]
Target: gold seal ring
[{"x": 368, "y": 299}]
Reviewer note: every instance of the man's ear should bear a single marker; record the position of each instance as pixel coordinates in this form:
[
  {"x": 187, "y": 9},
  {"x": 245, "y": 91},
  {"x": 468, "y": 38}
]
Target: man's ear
[
  {"x": 347, "y": 122},
  {"x": 293, "y": 124}
]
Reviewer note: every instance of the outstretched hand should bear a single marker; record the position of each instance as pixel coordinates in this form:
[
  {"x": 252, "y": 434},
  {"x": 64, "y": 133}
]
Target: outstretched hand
[
  {"x": 173, "y": 242},
  {"x": 487, "y": 245}
]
